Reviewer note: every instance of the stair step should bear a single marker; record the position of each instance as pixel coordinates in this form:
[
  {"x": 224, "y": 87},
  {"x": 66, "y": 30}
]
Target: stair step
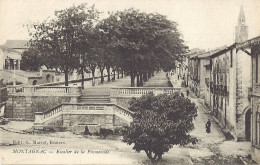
[
  {"x": 94, "y": 99},
  {"x": 95, "y": 96}
]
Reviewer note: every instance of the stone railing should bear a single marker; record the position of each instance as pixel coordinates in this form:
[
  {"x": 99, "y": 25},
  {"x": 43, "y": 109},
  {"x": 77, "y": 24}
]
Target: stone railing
[
  {"x": 124, "y": 113},
  {"x": 41, "y": 117},
  {"x": 44, "y": 90},
  {"x": 90, "y": 108},
  {"x": 139, "y": 91}
]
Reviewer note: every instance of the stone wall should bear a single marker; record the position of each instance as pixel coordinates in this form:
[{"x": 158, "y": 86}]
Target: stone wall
[
  {"x": 23, "y": 107},
  {"x": 243, "y": 84},
  {"x": 255, "y": 105},
  {"x": 203, "y": 74}
]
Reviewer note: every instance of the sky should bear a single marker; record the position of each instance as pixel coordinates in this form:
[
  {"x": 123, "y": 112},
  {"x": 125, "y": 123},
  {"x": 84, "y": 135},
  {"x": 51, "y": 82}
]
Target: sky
[{"x": 205, "y": 24}]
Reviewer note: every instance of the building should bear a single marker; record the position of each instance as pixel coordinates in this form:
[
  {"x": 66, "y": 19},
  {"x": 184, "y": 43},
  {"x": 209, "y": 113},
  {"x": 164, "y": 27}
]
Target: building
[
  {"x": 252, "y": 48},
  {"x": 229, "y": 84},
  {"x": 9, "y": 59},
  {"x": 221, "y": 77},
  {"x": 241, "y": 28}
]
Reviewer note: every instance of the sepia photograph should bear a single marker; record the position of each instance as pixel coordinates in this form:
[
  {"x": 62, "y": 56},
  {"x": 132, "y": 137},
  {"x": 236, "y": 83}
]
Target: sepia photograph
[{"x": 129, "y": 82}]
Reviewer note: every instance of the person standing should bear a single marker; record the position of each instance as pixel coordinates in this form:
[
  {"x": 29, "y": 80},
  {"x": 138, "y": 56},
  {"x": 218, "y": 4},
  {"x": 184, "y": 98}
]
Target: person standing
[
  {"x": 208, "y": 125},
  {"x": 187, "y": 92}
]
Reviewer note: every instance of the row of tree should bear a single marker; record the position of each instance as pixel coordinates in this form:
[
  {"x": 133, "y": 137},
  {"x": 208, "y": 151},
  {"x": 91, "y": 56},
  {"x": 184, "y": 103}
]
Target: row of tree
[{"x": 129, "y": 41}]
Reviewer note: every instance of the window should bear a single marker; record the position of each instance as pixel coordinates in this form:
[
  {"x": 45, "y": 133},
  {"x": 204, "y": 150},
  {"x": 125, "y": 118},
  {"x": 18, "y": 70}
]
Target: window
[
  {"x": 257, "y": 67},
  {"x": 258, "y": 128}
]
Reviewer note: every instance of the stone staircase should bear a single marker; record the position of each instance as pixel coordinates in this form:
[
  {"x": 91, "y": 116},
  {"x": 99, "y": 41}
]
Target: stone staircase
[{"x": 95, "y": 95}]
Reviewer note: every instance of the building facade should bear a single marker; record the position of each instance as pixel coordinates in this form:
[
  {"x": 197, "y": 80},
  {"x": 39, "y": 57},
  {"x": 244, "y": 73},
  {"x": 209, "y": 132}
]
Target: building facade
[
  {"x": 229, "y": 85},
  {"x": 252, "y": 48}
]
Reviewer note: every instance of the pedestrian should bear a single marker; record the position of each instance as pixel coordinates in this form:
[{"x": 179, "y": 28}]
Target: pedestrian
[
  {"x": 182, "y": 95},
  {"x": 187, "y": 92},
  {"x": 208, "y": 124}
]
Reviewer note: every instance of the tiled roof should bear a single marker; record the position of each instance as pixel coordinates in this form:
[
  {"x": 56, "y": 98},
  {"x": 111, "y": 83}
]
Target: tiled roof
[
  {"x": 8, "y": 50},
  {"x": 16, "y": 44}
]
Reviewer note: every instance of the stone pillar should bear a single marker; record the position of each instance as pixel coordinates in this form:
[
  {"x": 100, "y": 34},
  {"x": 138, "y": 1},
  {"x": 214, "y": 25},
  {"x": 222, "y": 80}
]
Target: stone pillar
[
  {"x": 38, "y": 118},
  {"x": 18, "y": 64}
]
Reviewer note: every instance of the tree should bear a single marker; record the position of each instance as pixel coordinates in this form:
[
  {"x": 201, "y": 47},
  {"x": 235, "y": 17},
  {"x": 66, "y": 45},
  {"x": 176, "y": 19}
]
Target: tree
[
  {"x": 159, "y": 123},
  {"x": 31, "y": 60},
  {"x": 142, "y": 42},
  {"x": 64, "y": 38}
]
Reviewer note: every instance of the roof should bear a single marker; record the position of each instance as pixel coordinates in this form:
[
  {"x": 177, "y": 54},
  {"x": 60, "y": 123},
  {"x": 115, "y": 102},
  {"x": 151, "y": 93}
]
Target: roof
[
  {"x": 204, "y": 55},
  {"x": 195, "y": 52},
  {"x": 8, "y": 50},
  {"x": 222, "y": 50},
  {"x": 249, "y": 43},
  {"x": 16, "y": 44}
]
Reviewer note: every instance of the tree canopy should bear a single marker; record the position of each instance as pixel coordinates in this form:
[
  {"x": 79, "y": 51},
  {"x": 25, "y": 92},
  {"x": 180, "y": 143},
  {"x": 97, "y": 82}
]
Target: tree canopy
[
  {"x": 159, "y": 123},
  {"x": 31, "y": 60},
  {"x": 64, "y": 38},
  {"x": 143, "y": 42},
  {"x": 130, "y": 41}
]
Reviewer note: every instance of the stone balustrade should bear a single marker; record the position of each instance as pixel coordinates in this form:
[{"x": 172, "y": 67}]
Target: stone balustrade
[
  {"x": 83, "y": 109},
  {"x": 139, "y": 91},
  {"x": 44, "y": 90}
]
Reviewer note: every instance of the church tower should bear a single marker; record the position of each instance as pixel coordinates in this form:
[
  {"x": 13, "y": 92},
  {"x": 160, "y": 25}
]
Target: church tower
[{"x": 241, "y": 28}]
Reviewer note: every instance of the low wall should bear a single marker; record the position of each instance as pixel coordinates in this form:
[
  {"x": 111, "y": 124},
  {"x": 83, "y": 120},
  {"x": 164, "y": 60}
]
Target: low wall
[{"x": 24, "y": 107}]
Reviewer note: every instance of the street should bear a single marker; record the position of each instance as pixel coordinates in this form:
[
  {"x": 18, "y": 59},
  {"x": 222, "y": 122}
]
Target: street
[{"x": 65, "y": 147}]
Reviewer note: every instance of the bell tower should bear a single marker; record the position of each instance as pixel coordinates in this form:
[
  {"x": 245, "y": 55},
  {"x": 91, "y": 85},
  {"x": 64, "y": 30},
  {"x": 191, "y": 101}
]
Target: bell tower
[{"x": 241, "y": 28}]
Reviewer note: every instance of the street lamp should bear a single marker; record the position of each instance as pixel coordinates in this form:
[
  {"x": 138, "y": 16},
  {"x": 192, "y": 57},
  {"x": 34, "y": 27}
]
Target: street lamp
[{"x": 81, "y": 61}]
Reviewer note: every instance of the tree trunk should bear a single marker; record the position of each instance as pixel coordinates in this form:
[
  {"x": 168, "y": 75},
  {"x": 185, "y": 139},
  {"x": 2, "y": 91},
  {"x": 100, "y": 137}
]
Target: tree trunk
[
  {"x": 102, "y": 76},
  {"x": 132, "y": 75},
  {"x": 93, "y": 77},
  {"x": 122, "y": 72},
  {"x": 141, "y": 79},
  {"x": 138, "y": 80},
  {"x": 149, "y": 74},
  {"x": 108, "y": 74},
  {"x": 82, "y": 76},
  {"x": 145, "y": 76},
  {"x": 153, "y": 158},
  {"x": 114, "y": 76},
  {"x": 118, "y": 74},
  {"x": 66, "y": 78}
]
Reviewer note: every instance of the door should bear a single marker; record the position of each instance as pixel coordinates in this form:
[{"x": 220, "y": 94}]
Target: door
[{"x": 248, "y": 125}]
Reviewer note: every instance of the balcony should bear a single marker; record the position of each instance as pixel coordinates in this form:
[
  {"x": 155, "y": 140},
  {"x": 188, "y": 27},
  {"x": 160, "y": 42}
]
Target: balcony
[{"x": 256, "y": 89}]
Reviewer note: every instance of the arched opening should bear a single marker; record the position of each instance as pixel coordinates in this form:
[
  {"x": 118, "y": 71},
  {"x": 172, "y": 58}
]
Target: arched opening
[
  {"x": 248, "y": 125},
  {"x": 48, "y": 78},
  {"x": 35, "y": 82}
]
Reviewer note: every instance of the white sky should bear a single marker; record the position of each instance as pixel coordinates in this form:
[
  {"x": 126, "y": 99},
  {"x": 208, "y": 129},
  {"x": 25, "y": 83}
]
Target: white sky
[{"x": 204, "y": 24}]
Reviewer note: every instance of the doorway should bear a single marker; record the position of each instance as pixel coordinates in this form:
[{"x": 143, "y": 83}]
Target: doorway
[{"x": 248, "y": 125}]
